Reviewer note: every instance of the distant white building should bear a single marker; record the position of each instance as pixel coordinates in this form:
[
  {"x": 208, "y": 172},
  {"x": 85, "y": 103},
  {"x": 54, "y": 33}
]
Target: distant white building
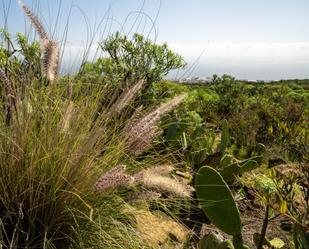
[
  {"x": 252, "y": 81},
  {"x": 195, "y": 80}
]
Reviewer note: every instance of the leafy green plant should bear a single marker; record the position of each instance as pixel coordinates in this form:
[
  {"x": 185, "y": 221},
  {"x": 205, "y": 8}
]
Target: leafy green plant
[
  {"x": 292, "y": 193},
  {"x": 225, "y": 137},
  {"x": 267, "y": 188}
]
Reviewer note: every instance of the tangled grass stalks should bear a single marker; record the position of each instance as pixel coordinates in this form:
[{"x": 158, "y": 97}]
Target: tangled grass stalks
[
  {"x": 157, "y": 229},
  {"x": 41, "y": 169}
]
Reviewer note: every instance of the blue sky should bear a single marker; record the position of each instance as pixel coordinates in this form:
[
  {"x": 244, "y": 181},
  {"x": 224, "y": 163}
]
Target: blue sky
[{"x": 251, "y": 39}]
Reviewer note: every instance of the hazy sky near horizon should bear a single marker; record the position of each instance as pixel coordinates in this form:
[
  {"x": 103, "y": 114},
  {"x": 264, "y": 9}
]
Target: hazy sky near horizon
[{"x": 249, "y": 39}]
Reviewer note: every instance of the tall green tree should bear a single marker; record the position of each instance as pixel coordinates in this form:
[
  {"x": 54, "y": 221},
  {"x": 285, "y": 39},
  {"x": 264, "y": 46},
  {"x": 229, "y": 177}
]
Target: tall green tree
[
  {"x": 128, "y": 60},
  {"x": 140, "y": 58}
]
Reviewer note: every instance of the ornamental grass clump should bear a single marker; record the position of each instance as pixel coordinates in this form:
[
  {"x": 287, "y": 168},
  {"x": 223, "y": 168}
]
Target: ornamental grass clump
[
  {"x": 45, "y": 172},
  {"x": 55, "y": 145}
]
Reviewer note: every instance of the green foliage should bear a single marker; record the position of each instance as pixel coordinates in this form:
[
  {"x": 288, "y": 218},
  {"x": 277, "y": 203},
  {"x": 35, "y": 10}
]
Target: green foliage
[
  {"x": 20, "y": 57},
  {"x": 47, "y": 173},
  {"x": 277, "y": 117},
  {"x": 217, "y": 201},
  {"x": 227, "y": 164},
  {"x": 226, "y": 160},
  {"x": 128, "y": 60},
  {"x": 230, "y": 93},
  {"x": 30, "y": 52}
]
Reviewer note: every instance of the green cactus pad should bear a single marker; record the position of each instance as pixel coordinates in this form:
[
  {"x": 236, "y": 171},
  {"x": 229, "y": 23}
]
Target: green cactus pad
[
  {"x": 226, "y": 160},
  {"x": 209, "y": 241},
  {"x": 248, "y": 166},
  {"x": 212, "y": 241},
  {"x": 230, "y": 172},
  {"x": 217, "y": 201}
]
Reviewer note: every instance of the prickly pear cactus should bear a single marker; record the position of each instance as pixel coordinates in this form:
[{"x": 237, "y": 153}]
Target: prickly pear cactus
[
  {"x": 228, "y": 244},
  {"x": 231, "y": 171},
  {"x": 226, "y": 160},
  {"x": 209, "y": 241},
  {"x": 212, "y": 241},
  {"x": 248, "y": 165},
  {"x": 217, "y": 201},
  {"x": 225, "y": 137},
  {"x": 301, "y": 238}
]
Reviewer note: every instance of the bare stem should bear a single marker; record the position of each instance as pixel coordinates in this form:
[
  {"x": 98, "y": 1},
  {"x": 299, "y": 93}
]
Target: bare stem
[{"x": 264, "y": 228}]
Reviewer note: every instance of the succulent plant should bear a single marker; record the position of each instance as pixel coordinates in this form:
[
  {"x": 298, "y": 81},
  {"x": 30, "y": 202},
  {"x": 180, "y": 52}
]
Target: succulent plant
[
  {"x": 232, "y": 170},
  {"x": 225, "y": 137},
  {"x": 217, "y": 201},
  {"x": 218, "y": 204},
  {"x": 212, "y": 241}
]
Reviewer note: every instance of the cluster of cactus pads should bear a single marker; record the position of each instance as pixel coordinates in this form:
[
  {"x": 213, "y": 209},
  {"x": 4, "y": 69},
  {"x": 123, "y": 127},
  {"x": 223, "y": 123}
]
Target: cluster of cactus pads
[
  {"x": 215, "y": 197},
  {"x": 230, "y": 169},
  {"x": 228, "y": 165}
]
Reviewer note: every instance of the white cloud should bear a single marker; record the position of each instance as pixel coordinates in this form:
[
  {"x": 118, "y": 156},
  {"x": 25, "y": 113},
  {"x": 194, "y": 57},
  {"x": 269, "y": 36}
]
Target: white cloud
[
  {"x": 226, "y": 52},
  {"x": 232, "y": 53}
]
